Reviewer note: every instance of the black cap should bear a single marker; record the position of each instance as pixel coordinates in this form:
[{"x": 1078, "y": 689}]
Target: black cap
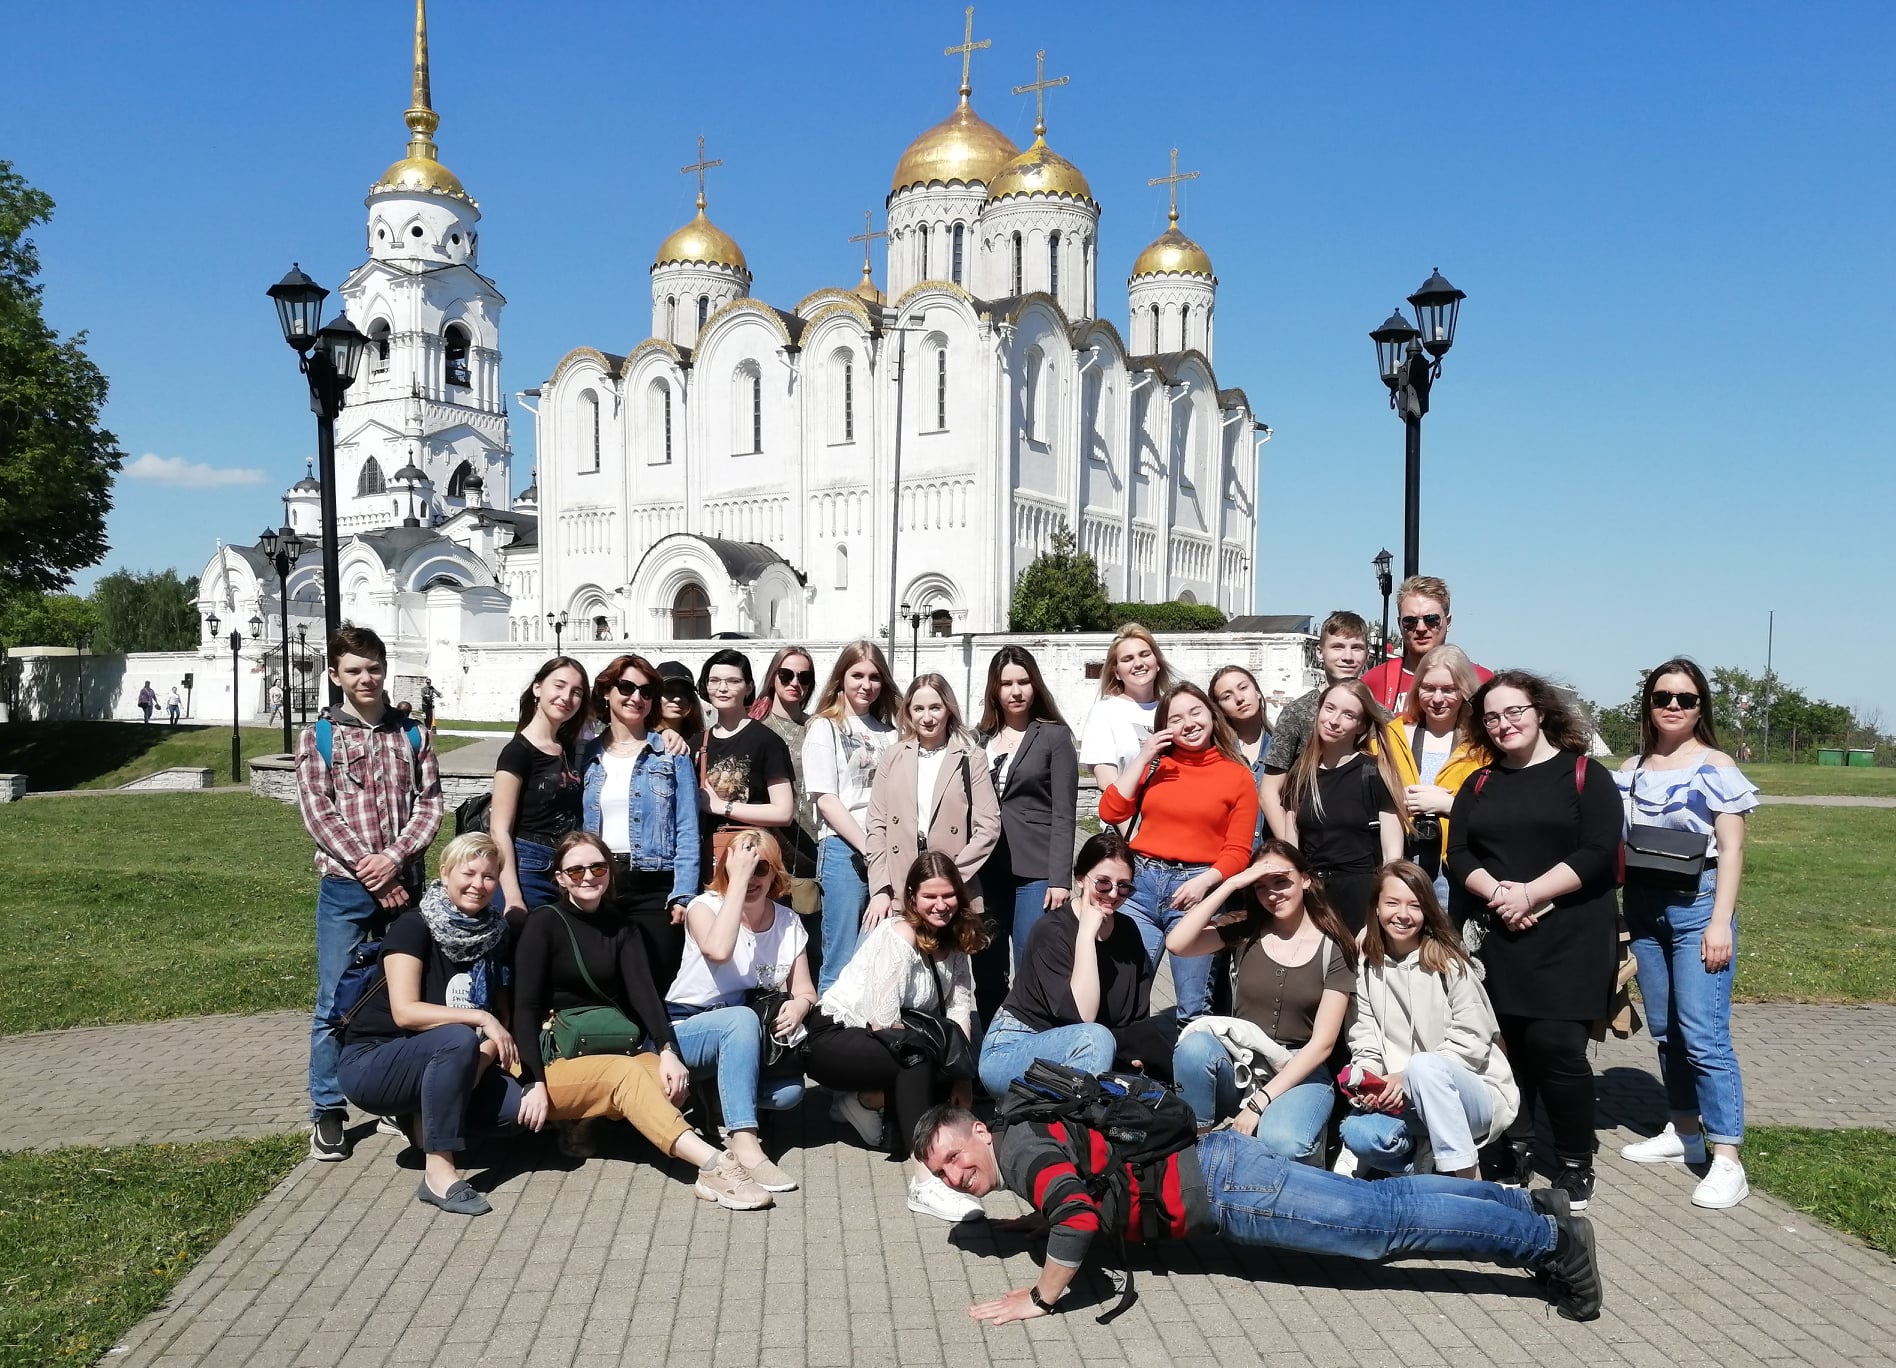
[{"x": 677, "y": 669}]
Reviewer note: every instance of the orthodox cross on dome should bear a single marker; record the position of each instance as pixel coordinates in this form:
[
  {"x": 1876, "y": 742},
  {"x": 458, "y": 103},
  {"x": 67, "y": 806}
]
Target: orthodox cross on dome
[
  {"x": 1171, "y": 182},
  {"x": 1040, "y": 85},
  {"x": 967, "y": 48},
  {"x": 868, "y": 235},
  {"x": 699, "y": 167}
]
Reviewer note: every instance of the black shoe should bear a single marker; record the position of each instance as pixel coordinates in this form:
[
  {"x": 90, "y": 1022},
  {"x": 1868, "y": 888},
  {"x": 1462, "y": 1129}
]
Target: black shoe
[
  {"x": 1571, "y": 1274},
  {"x": 328, "y": 1142},
  {"x": 1551, "y": 1201},
  {"x": 463, "y": 1200},
  {"x": 1576, "y": 1180}
]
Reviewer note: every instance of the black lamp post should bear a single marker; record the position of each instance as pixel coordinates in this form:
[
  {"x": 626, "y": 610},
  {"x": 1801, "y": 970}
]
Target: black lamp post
[
  {"x": 283, "y": 548},
  {"x": 914, "y": 617},
  {"x": 330, "y": 357},
  {"x": 302, "y": 666},
  {"x": 557, "y": 621},
  {"x": 1384, "y": 582},
  {"x": 236, "y": 652},
  {"x": 1410, "y": 359}
]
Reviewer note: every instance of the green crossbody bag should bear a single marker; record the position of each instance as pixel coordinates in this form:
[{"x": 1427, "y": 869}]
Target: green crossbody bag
[{"x": 587, "y": 1030}]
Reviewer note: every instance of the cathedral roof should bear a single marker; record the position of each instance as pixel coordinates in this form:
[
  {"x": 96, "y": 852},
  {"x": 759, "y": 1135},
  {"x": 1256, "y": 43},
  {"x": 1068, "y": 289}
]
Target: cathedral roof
[
  {"x": 393, "y": 545},
  {"x": 421, "y": 172},
  {"x": 701, "y": 242},
  {"x": 962, "y": 147},
  {"x": 1039, "y": 171},
  {"x": 1172, "y": 253}
]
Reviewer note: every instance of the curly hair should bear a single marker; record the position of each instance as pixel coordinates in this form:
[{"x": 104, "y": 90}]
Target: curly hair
[
  {"x": 968, "y": 932},
  {"x": 1559, "y": 723}
]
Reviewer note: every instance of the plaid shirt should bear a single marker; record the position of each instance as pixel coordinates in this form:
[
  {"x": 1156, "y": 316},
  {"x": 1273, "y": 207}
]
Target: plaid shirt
[{"x": 377, "y": 794}]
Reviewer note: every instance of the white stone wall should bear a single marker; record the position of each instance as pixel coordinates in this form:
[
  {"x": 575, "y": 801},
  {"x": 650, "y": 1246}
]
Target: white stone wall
[
  {"x": 171, "y": 780},
  {"x": 64, "y": 687}
]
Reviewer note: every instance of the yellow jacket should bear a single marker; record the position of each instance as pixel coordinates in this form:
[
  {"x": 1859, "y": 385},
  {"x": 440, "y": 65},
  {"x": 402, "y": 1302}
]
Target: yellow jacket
[{"x": 1464, "y": 761}]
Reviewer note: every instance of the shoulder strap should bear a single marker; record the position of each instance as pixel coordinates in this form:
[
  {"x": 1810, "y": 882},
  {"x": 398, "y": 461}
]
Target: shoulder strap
[
  {"x": 1481, "y": 777},
  {"x": 579, "y": 962},
  {"x": 413, "y": 731},
  {"x": 1580, "y": 774},
  {"x": 325, "y": 738}
]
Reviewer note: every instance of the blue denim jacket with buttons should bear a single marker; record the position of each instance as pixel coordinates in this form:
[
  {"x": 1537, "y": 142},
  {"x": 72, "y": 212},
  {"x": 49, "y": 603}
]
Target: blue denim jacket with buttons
[{"x": 662, "y": 814}]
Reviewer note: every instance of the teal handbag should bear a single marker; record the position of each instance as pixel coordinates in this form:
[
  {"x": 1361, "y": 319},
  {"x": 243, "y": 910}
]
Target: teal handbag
[{"x": 581, "y": 1031}]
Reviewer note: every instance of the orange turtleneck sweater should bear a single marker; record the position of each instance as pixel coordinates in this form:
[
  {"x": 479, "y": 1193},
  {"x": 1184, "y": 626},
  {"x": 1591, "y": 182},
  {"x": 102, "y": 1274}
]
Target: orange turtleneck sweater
[{"x": 1199, "y": 807}]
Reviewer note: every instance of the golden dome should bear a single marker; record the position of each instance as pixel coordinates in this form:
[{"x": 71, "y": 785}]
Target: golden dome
[
  {"x": 421, "y": 175},
  {"x": 1172, "y": 254},
  {"x": 421, "y": 172},
  {"x": 701, "y": 242},
  {"x": 962, "y": 147},
  {"x": 1039, "y": 171},
  {"x": 866, "y": 288}
]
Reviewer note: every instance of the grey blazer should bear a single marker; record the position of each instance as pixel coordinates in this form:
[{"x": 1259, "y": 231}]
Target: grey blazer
[
  {"x": 1039, "y": 801},
  {"x": 964, "y": 824}
]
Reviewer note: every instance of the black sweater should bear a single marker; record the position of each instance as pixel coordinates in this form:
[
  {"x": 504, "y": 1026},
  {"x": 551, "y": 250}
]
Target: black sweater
[{"x": 546, "y": 978}]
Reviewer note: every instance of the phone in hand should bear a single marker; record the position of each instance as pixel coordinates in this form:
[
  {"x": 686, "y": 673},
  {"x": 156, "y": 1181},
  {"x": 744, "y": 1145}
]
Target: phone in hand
[{"x": 1356, "y": 1079}]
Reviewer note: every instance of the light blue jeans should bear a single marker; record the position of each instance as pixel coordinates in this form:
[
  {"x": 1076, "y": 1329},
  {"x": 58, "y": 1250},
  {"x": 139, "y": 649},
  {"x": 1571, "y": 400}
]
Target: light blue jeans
[
  {"x": 845, "y": 895},
  {"x": 1443, "y": 1101},
  {"x": 1153, "y": 884},
  {"x": 1688, "y": 1010},
  {"x": 728, "y": 1042},
  {"x": 1262, "y": 1199},
  {"x": 346, "y": 915},
  {"x": 1010, "y": 1047},
  {"x": 1292, "y": 1126}
]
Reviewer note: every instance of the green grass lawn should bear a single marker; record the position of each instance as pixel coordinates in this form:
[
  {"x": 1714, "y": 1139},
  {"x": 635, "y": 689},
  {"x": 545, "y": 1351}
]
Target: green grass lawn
[
  {"x": 88, "y": 755},
  {"x": 92, "y": 1240},
  {"x": 1803, "y": 780},
  {"x": 1817, "y": 912},
  {"x": 1845, "y": 1178},
  {"x": 505, "y": 728}
]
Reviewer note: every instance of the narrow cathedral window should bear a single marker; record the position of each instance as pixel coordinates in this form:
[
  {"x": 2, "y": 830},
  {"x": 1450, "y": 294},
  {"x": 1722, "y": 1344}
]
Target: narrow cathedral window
[
  {"x": 370, "y": 481},
  {"x": 666, "y": 394},
  {"x": 378, "y": 336},
  {"x": 454, "y": 348},
  {"x": 957, "y": 254},
  {"x": 1155, "y": 327},
  {"x": 671, "y": 318},
  {"x": 922, "y": 233},
  {"x": 704, "y": 310},
  {"x": 1184, "y": 323},
  {"x": 941, "y": 389},
  {"x": 849, "y": 400},
  {"x": 1018, "y": 263},
  {"x": 1053, "y": 263},
  {"x": 589, "y": 426}
]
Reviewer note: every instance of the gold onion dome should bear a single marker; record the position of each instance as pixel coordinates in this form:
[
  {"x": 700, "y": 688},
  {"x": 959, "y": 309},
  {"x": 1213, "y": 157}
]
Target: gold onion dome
[
  {"x": 701, "y": 242},
  {"x": 962, "y": 147},
  {"x": 1172, "y": 253},
  {"x": 1039, "y": 171},
  {"x": 866, "y": 288},
  {"x": 421, "y": 172}
]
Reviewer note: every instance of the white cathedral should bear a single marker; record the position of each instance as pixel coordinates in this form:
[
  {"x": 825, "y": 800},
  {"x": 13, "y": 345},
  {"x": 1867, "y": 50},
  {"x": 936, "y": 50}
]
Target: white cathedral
[{"x": 781, "y": 472}]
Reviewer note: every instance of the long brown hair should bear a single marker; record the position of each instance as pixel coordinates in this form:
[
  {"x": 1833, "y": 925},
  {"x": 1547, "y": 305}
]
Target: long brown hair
[
  {"x": 767, "y": 699},
  {"x": 1223, "y": 739},
  {"x": 1302, "y": 782},
  {"x": 967, "y": 932},
  {"x": 831, "y": 703},
  {"x": 572, "y": 841},
  {"x": 1316, "y": 902},
  {"x": 1042, "y": 708},
  {"x": 1441, "y": 946},
  {"x": 1702, "y": 730},
  {"x": 1263, "y": 714},
  {"x": 612, "y": 674},
  {"x": 568, "y": 734}
]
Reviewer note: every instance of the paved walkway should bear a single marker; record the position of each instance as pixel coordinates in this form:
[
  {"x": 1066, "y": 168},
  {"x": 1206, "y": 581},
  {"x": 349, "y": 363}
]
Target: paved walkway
[{"x": 615, "y": 1262}]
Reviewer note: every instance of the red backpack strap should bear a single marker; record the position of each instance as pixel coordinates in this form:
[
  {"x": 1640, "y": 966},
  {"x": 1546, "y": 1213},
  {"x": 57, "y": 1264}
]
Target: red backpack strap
[
  {"x": 1481, "y": 777},
  {"x": 1580, "y": 774}
]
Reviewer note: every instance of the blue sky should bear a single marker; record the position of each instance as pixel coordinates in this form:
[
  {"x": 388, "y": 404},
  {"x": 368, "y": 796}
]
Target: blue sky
[{"x": 1666, "y": 412}]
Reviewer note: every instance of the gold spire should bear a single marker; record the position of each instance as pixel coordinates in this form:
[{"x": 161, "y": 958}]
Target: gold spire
[
  {"x": 421, "y": 170},
  {"x": 1040, "y": 170},
  {"x": 962, "y": 147},
  {"x": 1172, "y": 253},
  {"x": 701, "y": 240},
  {"x": 866, "y": 287},
  {"x": 967, "y": 48}
]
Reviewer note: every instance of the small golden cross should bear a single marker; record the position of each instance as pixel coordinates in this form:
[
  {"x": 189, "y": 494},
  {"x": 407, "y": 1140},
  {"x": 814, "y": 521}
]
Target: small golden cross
[
  {"x": 967, "y": 49},
  {"x": 700, "y": 166},
  {"x": 1040, "y": 85},
  {"x": 1172, "y": 181},
  {"x": 867, "y": 235}
]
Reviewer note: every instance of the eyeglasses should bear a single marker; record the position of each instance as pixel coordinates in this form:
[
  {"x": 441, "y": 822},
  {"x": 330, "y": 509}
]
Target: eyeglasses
[
  {"x": 786, "y": 675},
  {"x": 1439, "y": 690},
  {"x": 1414, "y": 620},
  {"x": 1107, "y": 888},
  {"x": 1514, "y": 714},
  {"x": 586, "y": 873},
  {"x": 1667, "y": 698},
  {"x": 626, "y": 688}
]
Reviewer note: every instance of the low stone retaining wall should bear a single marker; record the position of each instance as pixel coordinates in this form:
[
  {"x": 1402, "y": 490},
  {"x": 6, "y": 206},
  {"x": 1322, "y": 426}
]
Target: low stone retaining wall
[
  {"x": 274, "y": 776},
  {"x": 12, "y": 787},
  {"x": 179, "y": 777}
]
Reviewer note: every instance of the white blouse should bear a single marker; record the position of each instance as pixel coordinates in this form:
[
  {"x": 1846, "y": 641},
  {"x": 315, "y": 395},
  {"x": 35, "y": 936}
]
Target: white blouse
[{"x": 887, "y": 974}]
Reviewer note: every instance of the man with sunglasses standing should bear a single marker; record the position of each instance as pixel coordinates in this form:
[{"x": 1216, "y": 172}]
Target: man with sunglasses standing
[{"x": 1422, "y": 602}]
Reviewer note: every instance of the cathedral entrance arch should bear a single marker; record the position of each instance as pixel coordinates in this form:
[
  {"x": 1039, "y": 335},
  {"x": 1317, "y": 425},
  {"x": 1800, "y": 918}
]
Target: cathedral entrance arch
[{"x": 691, "y": 613}]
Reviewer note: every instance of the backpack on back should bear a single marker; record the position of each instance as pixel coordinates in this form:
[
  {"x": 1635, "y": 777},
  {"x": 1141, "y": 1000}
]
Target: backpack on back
[
  {"x": 326, "y": 738},
  {"x": 361, "y": 980}
]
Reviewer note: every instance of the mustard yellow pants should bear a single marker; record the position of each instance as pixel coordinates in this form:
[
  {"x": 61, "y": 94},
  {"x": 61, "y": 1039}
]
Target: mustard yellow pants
[{"x": 619, "y": 1088}]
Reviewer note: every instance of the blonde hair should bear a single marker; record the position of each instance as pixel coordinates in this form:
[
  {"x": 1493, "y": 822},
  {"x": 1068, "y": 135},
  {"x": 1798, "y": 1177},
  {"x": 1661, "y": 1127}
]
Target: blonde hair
[
  {"x": 947, "y": 695},
  {"x": 1444, "y": 657},
  {"x": 768, "y": 853},
  {"x": 831, "y": 703},
  {"x": 1109, "y": 681},
  {"x": 1303, "y": 773},
  {"x": 465, "y": 849},
  {"x": 1423, "y": 586}
]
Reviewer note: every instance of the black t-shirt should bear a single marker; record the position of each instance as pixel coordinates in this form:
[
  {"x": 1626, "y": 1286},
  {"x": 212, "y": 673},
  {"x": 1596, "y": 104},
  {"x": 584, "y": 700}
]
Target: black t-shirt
[
  {"x": 1042, "y": 996},
  {"x": 743, "y": 767},
  {"x": 550, "y": 790},
  {"x": 1348, "y": 836},
  {"x": 408, "y": 934},
  {"x": 548, "y": 980}
]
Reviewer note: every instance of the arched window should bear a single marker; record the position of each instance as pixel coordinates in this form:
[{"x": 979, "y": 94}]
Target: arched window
[
  {"x": 1019, "y": 265},
  {"x": 704, "y": 310},
  {"x": 1053, "y": 263},
  {"x": 691, "y": 613},
  {"x": 671, "y": 318},
  {"x": 1086, "y": 277},
  {"x": 1033, "y": 398},
  {"x": 1184, "y": 326},
  {"x": 602, "y": 630},
  {"x": 959, "y": 232},
  {"x": 921, "y": 235},
  {"x": 842, "y": 567},
  {"x": 454, "y": 345},
  {"x": 941, "y": 388},
  {"x": 842, "y": 396},
  {"x": 457, "y": 482},
  {"x": 588, "y": 432},
  {"x": 658, "y": 421},
  {"x": 378, "y": 346},
  {"x": 370, "y": 481},
  {"x": 1155, "y": 327},
  {"x": 747, "y": 410},
  {"x": 941, "y": 622}
]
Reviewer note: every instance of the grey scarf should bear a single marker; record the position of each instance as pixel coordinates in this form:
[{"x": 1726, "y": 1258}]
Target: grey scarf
[{"x": 463, "y": 938}]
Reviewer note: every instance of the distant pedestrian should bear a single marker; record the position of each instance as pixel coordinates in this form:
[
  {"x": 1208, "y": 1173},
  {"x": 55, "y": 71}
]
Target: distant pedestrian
[
  {"x": 428, "y": 696},
  {"x": 147, "y": 700},
  {"x": 276, "y": 700},
  {"x": 173, "y": 705}
]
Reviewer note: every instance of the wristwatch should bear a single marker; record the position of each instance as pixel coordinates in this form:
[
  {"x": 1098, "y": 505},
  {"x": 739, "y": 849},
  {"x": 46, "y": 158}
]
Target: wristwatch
[{"x": 1033, "y": 1295}]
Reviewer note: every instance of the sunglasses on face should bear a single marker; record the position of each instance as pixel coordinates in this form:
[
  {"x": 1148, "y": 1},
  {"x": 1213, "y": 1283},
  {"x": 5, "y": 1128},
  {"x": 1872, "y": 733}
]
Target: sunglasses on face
[
  {"x": 1514, "y": 714},
  {"x": 1667, "y": 698},
  {"x": 786, "y": 675},
  {"x": 1415, "y": 620},
  {"x": 626, "y": 688},
  {"x": 585, "y": 873},
  {"x": 1108, "y": 888}
]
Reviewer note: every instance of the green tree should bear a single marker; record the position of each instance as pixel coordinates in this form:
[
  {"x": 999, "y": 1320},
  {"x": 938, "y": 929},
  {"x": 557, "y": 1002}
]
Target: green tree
[
  {"x": 1060, "y": 591},
  {"x": 56, "y": 462},
  {"x": 48, "y": 620},
  {"x": 146, "y": 612}
]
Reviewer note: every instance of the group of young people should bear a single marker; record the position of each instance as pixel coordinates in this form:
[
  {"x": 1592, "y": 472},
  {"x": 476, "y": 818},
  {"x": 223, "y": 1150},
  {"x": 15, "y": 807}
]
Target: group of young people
[{"x": 1392, "y": 917}]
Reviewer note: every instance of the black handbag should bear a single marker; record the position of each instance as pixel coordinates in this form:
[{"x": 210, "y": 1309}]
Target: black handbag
[
  {"x": 928, "y": 1037},
  {"x": 1662, "y": 856},
  {"x": 767, "y": 1002}
]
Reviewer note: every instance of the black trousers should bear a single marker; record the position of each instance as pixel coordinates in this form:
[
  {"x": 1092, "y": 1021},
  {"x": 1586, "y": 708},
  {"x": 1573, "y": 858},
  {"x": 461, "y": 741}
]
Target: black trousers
[
  {"x": 850, "y": 1059},
  {"x": 642, "y": 896},
  {"x": 1550, "y": 1062}
]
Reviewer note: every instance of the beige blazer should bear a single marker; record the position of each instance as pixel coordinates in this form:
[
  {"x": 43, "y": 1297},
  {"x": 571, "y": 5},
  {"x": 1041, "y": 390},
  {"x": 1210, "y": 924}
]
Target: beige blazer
[{"x": 964, "y": 823}]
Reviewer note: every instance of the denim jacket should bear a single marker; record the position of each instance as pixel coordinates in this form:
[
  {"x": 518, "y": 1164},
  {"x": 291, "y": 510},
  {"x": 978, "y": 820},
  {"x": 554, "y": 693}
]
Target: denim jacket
[{"x": 663, "y": 825}]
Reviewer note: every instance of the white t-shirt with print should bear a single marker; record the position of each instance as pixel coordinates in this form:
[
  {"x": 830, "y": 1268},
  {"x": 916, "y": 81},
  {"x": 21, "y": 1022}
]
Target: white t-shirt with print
[
  {"x": 842, "y": 760},
  {"x": 760, "y": 959},
  {"x": 1115, "y": 729}
]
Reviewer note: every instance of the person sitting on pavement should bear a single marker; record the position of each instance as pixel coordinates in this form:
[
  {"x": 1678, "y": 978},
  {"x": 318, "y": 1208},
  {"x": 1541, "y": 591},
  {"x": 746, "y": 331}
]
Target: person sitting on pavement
[
  {"x": 422, "y": 1043},
  {"x": 586, "y": 951},
  {"x": 741, "y": 944},
  {"x": 915, "y": 961},
  {"x": 1230, "y": 1184}
]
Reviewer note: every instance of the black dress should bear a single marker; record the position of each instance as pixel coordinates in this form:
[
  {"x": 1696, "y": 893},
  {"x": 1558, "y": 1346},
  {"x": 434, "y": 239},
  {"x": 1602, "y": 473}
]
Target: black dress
[
  {"x": 1517, "y": 824},
  {"x": 1344, "y": 845}
]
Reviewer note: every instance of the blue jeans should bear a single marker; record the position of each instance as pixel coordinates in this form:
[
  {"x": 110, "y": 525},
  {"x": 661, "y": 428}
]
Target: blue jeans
[
  {"x": 1153, "y": 884},
  {"x": 1292, "y": 1126},
  {"x": 432, "y": 1072},
  {"x": 1443, "y": 1101},
  {"x": 346, "y": 915},
  {"x": 1688, "y": 1010},
  {"x": 845, "y": 894},
  {"x": 1261, "y": 1199},
  {"x": 1009, "y": 1048},
  {"x": 729, "y": 1042},
  {"x": 533, "y": 867},
  {"x": 1014, "y": 906}
]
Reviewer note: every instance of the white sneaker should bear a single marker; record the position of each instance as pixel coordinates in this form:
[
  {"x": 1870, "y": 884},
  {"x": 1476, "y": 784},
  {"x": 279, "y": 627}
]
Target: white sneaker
[
  {"x": 846, "y": 1106},
  {"x": 1667, "y": 1147},
  {"x": 931, "y": 1197},
  {"x": 1724, "y": 1186}
]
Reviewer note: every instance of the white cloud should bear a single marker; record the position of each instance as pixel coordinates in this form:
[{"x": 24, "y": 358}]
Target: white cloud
[{"x": 182, "y": 474}]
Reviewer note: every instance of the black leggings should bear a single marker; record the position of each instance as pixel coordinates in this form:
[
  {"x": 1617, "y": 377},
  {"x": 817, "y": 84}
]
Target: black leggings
[
  {"x": 1549, "y": 1059},
  {"x": 849, "y": 1059},
  {"x": 643, "y": 895}
]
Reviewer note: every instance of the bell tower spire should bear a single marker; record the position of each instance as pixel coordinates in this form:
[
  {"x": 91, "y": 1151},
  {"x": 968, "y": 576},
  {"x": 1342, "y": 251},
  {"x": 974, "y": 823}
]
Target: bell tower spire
[{"x": 421, "y": 118}]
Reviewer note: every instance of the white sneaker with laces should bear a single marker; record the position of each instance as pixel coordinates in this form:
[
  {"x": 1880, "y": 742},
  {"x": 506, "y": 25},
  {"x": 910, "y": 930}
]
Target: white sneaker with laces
[
  {"x": 1724, "y": 1186},
  {"x": 1667, "y": 1147},
  {"x": 931, "y": 1197},
  {"x": 867, "y": 1123}
]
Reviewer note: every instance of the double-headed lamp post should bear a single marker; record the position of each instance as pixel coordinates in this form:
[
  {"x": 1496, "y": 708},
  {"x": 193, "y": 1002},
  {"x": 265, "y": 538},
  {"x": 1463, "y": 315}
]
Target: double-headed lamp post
[
  {"x": 302, "y": 666},
  {"x": 1384, "y": 583},
  {"x": 236, "y": 657},
  {"x": 557, "y": 621},
  {"x": 330, "y": 356},
  {"x": 1410, "y": 359},
  {"x": 283, "y": 548},
  {"x": 914, "y": 616}
]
